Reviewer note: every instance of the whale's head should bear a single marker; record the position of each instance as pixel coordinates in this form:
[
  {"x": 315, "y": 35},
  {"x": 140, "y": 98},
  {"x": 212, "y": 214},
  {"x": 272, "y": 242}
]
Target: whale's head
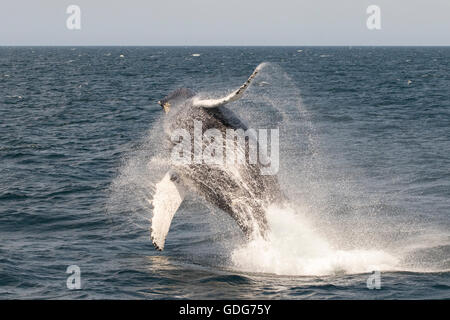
[
  {"x": 164, "y": 105},
  {"x": 175, "y": 97}
]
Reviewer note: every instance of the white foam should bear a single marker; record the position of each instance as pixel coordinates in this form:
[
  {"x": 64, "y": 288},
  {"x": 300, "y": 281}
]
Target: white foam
[{"x": 294, "y": 247}]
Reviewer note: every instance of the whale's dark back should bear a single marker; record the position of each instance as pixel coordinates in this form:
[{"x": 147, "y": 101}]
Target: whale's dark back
[{"x": 178, "y": 95}]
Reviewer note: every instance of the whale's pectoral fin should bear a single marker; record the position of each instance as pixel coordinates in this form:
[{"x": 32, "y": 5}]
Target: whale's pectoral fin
[
  {"x": 235, "y": 95},
  {"x": 168, "y": 197}
]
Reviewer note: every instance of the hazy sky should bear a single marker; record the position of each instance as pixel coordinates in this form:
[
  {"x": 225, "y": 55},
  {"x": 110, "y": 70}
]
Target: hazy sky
[{"x": 226, "y": 22}]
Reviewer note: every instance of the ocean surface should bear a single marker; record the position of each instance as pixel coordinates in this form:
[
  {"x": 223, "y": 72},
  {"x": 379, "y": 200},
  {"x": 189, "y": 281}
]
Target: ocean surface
[{"x": 364, "y": 160}]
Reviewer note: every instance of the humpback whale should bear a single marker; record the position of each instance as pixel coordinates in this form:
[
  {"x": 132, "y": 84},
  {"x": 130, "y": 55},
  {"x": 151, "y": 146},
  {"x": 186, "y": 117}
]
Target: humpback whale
[{"x": 238, "y": 189}]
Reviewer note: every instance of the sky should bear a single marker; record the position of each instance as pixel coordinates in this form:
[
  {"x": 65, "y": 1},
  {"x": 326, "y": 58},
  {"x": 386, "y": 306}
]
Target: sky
[{"x": 225, "y": 22}]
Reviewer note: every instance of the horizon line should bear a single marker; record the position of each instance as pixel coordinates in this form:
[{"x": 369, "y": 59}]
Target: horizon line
[{"x": 206, "y": 46}]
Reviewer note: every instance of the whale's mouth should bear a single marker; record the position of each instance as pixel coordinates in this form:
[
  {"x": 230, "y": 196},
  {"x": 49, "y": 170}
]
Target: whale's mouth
[{"x": 165, "y": 106}]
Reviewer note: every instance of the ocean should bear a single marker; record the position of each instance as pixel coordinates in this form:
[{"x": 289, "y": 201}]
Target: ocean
[{"x": 364, "y": 162}]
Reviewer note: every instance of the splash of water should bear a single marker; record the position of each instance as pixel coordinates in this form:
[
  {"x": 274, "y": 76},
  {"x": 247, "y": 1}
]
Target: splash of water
[{"x": 294, "y": 247}]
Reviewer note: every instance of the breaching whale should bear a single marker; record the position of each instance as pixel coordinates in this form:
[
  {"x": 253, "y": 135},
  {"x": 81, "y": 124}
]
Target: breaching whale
[{"x": 239, "y": 189}]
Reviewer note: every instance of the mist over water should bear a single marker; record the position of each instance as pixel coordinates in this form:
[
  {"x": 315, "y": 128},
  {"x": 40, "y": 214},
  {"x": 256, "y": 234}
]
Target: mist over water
[{"x": 364, "y": 163}]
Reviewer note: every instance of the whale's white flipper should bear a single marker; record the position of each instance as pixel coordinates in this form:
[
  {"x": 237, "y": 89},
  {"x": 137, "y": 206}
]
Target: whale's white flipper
[
  {"x": 168, "y": 197},
  {"x": 235, "y": 95}
]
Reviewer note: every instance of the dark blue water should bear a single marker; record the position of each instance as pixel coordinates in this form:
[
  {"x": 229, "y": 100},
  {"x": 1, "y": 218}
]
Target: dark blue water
[{"x": 366, "y": 153}]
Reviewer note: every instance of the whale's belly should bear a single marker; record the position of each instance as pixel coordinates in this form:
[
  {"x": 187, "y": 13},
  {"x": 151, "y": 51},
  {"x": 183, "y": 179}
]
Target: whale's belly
[{"x": 238, "y": 189}]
